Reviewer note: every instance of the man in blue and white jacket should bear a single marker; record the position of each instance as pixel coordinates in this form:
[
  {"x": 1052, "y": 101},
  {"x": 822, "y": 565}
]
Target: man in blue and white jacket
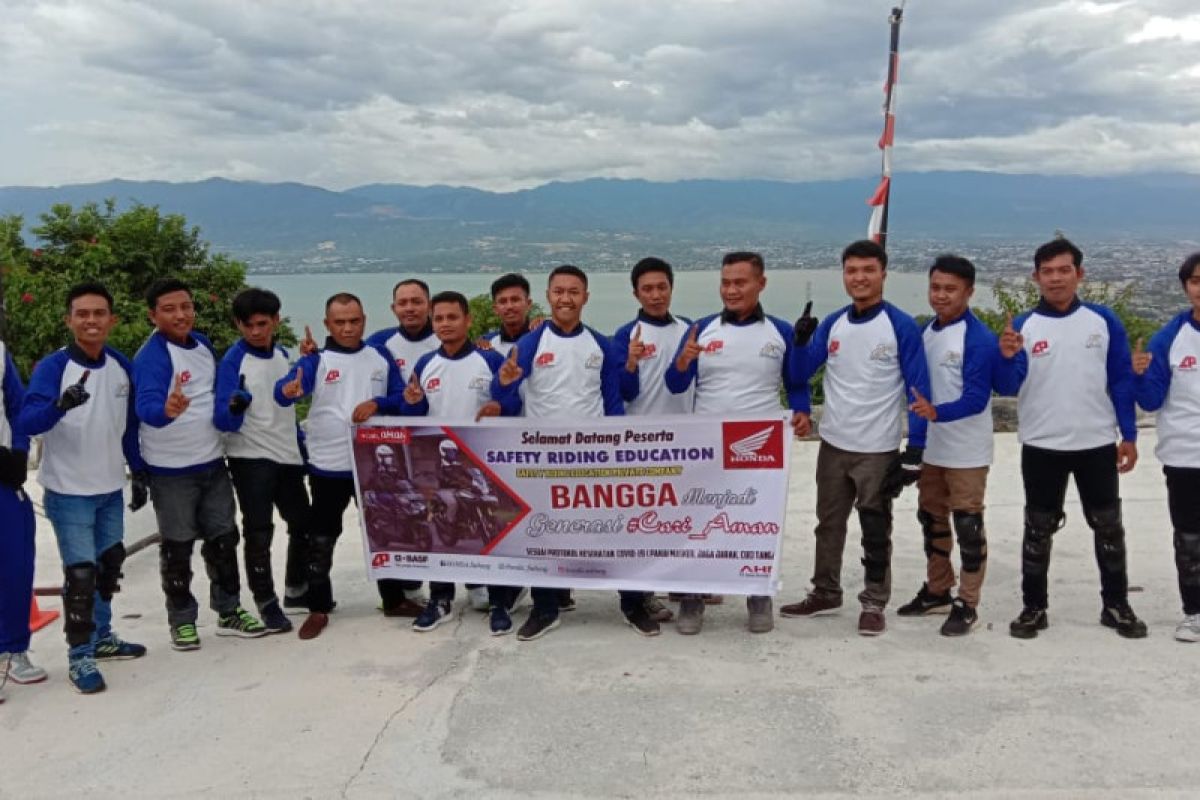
[
  {"x": 1068, "y": 362},
  {"x": 80, "y": 400},
  {"x": 511, "y": 302},
  {"x": 1167, "y": 380},
  {"x": 174, "y": 375},
  {"x": 872, "y": 355},
  {"x": 263, "y": 448},
  {"x": 350, "y": 381},
  {"x": 17, "y": 534}
]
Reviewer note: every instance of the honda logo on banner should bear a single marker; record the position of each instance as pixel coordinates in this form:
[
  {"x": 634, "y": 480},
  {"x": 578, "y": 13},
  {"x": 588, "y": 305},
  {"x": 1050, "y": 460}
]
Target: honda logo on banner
[{"x": 752, "y": 445}]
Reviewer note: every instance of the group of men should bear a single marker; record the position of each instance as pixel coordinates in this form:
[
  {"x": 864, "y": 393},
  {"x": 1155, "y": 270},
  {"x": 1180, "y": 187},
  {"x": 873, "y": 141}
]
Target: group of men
[{"x": 195, "y": 430}]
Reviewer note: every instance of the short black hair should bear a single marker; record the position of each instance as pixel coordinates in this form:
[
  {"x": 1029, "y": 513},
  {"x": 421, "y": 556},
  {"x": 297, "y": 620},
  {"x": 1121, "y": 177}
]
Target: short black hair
[
  {"x": 510, "y": 281},
  {"x": 86, "y": 288},
  {"x": 651, "y": 264},
  {"x": 412, "y": 282},
  {"x": 1188, "y": 267},
  {"x": 452, "y": 297},
  {"x": 738, "y": 256},
  {"x": 954, "y": 265},
  {"x": 568, "y": 269},
  {"x": 249, "y": 302},
  {"x": 1055, "y": 248},
  {"x": 342, "y": 297},
  {"x": 865, "y": 248},
  {"x": 164, "y": 286}
]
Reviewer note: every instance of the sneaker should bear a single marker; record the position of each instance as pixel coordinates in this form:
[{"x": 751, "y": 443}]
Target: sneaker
[
  {"x": 273, "y": 618},
  {"x": 1029, "y": 623},
  {"x": 184, "y": 636},
  {"x": 537, "y": 626},
  {"x": 313, "y": 624},
  {"x": 962, "y": 619},
  {"x": 478, "y": 598},
  {"x": 871, "y": 621},
  {"x": 84, "y": 676},
  {"x": 407, "y": 607},
  {"x": 435, "y": 613},
  {"x": 926, "y": 603},
  {"x": 240, "y": 623},
  {"x": 691, "y": 616},
  {"x": 19, "y": 669},
  {"x": 814, "y": 605},
  {"x": 1188, "y": 629},
  {"x": 499, "y": 621},
  {"x": 640, "y": 620},
  {"x": 114, "y": 648},
  {"x": 658, "y": 610},
  {"x": 760, "y": 616},
  {"x": 566, "y": 601},
  {"x": 1123, "y": 620}
]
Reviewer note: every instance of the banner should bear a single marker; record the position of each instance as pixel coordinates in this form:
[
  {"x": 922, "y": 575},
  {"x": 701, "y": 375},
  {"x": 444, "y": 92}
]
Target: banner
[{"x": 682, "y": 504}]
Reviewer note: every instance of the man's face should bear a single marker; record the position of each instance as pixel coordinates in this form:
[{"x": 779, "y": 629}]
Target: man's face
[
  {"x": 1058, "y": 279},
  {"x": 512, "y": 305},
  {"x": 949, "y": 295},
  {"x": 450, "y": 324},
  {"x": 567, "y": 295},
  {"x": 90, "y": 320},
  {"x": 741, "y": 284},
  {"x": 345, "y": 323},
  {"x": 411, "y": 307},
  {"x": 259, "y": 330},
  {"x": 653, "y": 292},
  {"x": 174, "y": 315},
  {"x": 1192, "y": 288},
  {"x": 863, "y": 279}
]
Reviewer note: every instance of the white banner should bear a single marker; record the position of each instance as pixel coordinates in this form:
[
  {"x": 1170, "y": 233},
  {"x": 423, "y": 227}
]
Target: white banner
[{"x": 681, "y": 504}]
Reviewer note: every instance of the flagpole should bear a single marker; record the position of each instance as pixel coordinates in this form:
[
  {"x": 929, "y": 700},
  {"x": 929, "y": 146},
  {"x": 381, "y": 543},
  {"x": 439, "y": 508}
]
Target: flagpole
[{"x": 880, "y": 201}]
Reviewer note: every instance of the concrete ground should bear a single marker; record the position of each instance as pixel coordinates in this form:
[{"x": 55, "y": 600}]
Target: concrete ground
[{"x": 371, "y": 709}]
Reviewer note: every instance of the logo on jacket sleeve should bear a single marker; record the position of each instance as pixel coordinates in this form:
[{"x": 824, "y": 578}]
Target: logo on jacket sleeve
[{"x": 752, "y": 445}]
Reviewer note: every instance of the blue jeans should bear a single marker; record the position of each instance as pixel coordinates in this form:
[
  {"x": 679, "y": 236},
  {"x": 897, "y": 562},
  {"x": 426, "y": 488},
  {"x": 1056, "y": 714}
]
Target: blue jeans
[
  {"x": 85, "y": 526},
  {"x": 17, "y": 529}
]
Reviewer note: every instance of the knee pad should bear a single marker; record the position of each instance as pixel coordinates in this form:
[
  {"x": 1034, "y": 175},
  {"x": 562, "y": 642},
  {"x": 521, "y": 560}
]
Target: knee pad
[
  {"x": 220, "y": 560},
  {"x": 929, "y": 533},
  {"x": 79, "y": 587},
  {"x": 175, "y": 565},
  {"x": 972, "y": 541},
  {"x": 320, "y": 556},
  {"x": 1187, "y": 557},
  {"x": 876, "y": 543},
  {"x": 108, "y": 574},
  {"x": 1110, "y": 536},
  {"x": 1040, "y": 527}
]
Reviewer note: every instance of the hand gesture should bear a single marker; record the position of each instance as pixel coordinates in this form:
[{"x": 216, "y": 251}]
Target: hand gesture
[
  {"x": 1011, "y": 341},
  {"x": 74, "y": 395},
  {"x": 239, "y": 401},
  {"x": 691, "y": 350},
  {"x": 1127, "y": 456},
  {"x": 308, "y": 345},
  {"x": 806, "y": 326},
  {"x": 636, "y": 350},
  {"x": 483, "y": 343},
  {"x": 413, "y": 393},
  {"x": 177, "y": 401},
  {"x": 801, "y": 424},
  {"x": 922, "y": 407},
  {"x": 364, "y": 411},
  {"x": 510, "y": 371},
  {"x": 489, "y": 409},
  {"x": 295, "y": 387},
  {"x": 1141, "y": 359}
]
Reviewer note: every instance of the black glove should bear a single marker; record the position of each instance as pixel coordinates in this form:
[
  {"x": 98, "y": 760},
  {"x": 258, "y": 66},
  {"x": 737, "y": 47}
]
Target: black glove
[
  {"x": 903, "y": 471},
  {"x": 139, "y": 490},
  {"x": 14, "y": 467},
  {"x": 74, "y": 395},
  {"x": 806, "y": 326},
  {"x": 240, "y": 400}
]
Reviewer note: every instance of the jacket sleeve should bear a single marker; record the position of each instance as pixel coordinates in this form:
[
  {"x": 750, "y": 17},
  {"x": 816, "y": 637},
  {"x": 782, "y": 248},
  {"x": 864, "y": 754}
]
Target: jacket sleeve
[
  {"x": 39, "y": 411},
  {"x": 510, "y": 406},
  {"x": 1009, "y": 373},
  {"x": 630, "y": 381},
  {"x": 14, "y": 398},
  {"x": 805, "y": 360},
  {"x": 610, "y": 379},
  {"x": 913, "y": 368},
  {"x": 526, "y": 348},
  {"x": 980, "y": 352},
  {"x": 1152, "y": 387},
  {"x": 392, "y": 402},
  {"x": 228, "y": 375},
  {"x": 130, "y": 445},
  {"x": 419, "y": 409},
  {"x": 1120, "y": 377},
  {"x": 677, "y": 381},
  {"x": 153, "y": 379},
  {"x": 796, "y": 391},
  {"x": 310, "y": 364}
]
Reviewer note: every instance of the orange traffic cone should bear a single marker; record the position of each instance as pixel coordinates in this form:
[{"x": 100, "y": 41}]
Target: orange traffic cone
[{"x": 39, "y": 619}]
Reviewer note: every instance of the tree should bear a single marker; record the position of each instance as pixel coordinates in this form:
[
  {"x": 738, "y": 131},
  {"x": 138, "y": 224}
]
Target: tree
[{"x": 484, "y": 319}]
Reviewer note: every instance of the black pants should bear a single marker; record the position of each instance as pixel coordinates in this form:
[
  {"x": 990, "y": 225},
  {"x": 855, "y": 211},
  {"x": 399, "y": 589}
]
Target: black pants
[
  {"x": 330, "y": 499},
  {"x": 1045, "y": 474},
  {"x": 545, "y": 601},
  {"x": 1183, "y": 501},
  {"x": 501, "y": 596},
  {"x": 262, "y": 486}
]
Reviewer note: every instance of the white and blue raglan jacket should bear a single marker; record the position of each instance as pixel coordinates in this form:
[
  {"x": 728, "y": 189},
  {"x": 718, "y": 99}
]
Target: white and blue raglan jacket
[
  {"x": 501, "y": 342},
  {"x": 567, "y": 375},
  {"x": 404, "y": 347},
  {"x": 14, "y": 396},
  {"x": 1171, "y": 386},
  {"x": 645, "y": 390},
  {"x": 85, "y": 449},
  {"x": 266, "y": 430},
  {"x": 871, "y": 359},
  {"x": 191, "y": 442},
  {"x": 1073, "y": 379},
  {"x": 457, "y": 386},
  {"x": 961, "y": 357}
]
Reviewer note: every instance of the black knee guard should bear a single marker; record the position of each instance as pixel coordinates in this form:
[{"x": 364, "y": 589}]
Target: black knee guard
[
  {"x": 108, "y": 571},
  {"x": 175, "y": 567},
  {"x": 320, "y": 556},
  {"x": 876, "y": 543},
  {"x": 1187, "y": 557},
  {"x": 220, "y": 561},
  {"x": 1040, "y": 527},
  {"x": 928, "y": 521},
  {"x": 972, "y": 540},
  {"x": 1110, "y": 536},
  {"x": 79, "y": 589}
]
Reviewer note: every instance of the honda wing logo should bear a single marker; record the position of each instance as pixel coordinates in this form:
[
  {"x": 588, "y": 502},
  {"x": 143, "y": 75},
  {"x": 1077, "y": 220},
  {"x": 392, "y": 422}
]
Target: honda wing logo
[
  {"x": 753, "y": 445},
  {"x": 747, "y": 449}
]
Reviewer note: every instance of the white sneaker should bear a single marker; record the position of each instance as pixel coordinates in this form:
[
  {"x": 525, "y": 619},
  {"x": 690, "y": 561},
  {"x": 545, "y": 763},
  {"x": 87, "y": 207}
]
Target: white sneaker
[
  {"x": 21, "y": 670},
  {"x": 479, "y": 598},
  {"x": 1188, "y": 629}
]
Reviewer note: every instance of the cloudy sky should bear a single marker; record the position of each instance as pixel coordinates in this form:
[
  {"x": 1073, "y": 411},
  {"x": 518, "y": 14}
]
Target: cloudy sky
[{"x": 516, "y": 93}]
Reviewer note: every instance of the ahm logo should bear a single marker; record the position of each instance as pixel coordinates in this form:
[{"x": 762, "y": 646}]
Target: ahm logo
[
  {"x": 715, "y": 346},
  {"x": 1188, "y": 363},
  {"x": 185, "y": 377},
  {"x": 753, "y": 445},
  {"x": 433, "y": 385},
  {"x": 1041, "y": 347},
  {"x": 380, "y": 560},
  {"x": 834, "y": 346},
  {"x": 544, "y": 360},
  {"x": 333, "y": 376}
]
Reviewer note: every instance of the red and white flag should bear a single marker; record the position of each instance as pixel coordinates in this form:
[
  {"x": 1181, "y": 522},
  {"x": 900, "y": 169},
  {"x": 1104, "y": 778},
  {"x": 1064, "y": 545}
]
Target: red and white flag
[{"x": 877, "y": 227}]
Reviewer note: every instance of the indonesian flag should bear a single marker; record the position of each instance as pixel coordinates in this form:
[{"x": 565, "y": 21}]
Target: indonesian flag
[{"x": 876, "y": 228}]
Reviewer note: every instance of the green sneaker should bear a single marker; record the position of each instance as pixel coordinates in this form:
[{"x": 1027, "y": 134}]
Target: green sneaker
[
  {"x": 240, "y": 623},
  {"x": 114, "y": 648},
  {"x": 184, "y": 636}
]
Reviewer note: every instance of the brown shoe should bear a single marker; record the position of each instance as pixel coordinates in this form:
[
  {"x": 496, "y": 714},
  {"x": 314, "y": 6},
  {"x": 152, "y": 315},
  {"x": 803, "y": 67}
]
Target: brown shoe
[
  {"x": 871, "y": 621},
  {"x": 405, "y": 608},
  {"x": 812, "y": 606},
  {"x": 658, "y": 610},
  {"x": 313, "y": 625}
]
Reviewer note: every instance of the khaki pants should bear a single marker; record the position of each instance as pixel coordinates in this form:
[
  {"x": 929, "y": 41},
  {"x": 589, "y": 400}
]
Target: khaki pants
[{"x": 942, "y": 491}]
